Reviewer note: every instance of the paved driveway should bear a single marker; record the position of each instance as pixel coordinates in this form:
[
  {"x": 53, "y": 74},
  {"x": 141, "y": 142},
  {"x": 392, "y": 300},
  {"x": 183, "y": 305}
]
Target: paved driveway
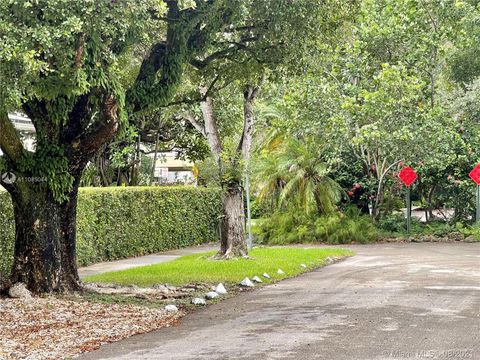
[{"x": 402, "y": 301}]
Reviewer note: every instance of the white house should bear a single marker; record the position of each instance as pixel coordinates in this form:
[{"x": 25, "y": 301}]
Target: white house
[
  {"x": 25, "y": 128},
  {"x": 170, "y": 170}
]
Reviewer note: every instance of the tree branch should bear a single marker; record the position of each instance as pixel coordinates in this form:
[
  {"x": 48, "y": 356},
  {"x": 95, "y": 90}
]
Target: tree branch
[
  {"x": 211, "y": 127},
  {"x": 101, "y": 132},
  {"x": 80, "y": 50},
  {"x": 201, "y": 64},
  {"x": 186, "y": 101},
  {"x": 198, "y": 126},
  {"x": 165, "y": 57},
  {"x": 250, "y": 94}
]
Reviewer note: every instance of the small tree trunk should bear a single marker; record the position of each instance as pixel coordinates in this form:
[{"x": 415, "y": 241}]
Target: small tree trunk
[
  {"x": 154, "y": 166},
  {"x": 378, "y": 200},
  {"x": 232, "y": 241},
  {"x": 45, "y": 255},
  {"x": 430, "y": 201},
  {"x": 136, "y": 161}
]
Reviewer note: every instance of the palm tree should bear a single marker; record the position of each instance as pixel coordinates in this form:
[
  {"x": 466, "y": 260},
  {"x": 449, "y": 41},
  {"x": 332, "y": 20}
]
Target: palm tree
[
  {"x": 271, "y": 180},
  {"x": 292, "y": 173}
]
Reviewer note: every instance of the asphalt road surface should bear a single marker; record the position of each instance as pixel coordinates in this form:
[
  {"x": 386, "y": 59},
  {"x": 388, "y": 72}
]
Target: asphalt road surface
[{"x": 402, "y": 301}]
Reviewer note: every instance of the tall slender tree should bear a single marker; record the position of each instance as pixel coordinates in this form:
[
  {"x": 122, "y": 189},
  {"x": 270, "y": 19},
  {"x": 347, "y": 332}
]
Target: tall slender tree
[{"x": 264, "y": 43}]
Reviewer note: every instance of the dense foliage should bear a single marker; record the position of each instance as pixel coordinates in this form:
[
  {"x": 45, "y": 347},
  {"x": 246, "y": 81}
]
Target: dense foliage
[
  {"x": 115, "y": 223},
  {"x": 399, "y": 86},
  {"x": 291, "y": 226}
]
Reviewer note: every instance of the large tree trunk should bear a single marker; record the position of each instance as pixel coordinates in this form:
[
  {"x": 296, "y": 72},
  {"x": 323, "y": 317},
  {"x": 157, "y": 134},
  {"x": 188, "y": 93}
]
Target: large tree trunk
[
  {"x": 45, "y": 253},
  {"x": 45, "y": 256},
  {"x": 233, "y": 224}
]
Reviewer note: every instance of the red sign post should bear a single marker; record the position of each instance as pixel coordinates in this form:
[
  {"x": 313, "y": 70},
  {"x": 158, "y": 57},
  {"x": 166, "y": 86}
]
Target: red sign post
[
  {"x": 408, "y": 177},
  {"x": 475, "y": 175}
]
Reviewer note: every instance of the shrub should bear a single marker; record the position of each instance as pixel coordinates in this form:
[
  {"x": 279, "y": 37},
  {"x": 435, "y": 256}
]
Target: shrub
[
  {"x": 297, "y": 227},
  {"x": 475, "y": 232},
  {"x": 468, "y": 231},
  {"x": 395, "y": 225},
  {"x": 115, "y": 223},
  {"x": 7, "y": 233},
  {"x": 345, "y": 229}
]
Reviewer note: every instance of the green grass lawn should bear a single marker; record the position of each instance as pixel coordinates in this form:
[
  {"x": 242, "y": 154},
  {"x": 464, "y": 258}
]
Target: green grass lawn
[{"x": 202, "y": 268}]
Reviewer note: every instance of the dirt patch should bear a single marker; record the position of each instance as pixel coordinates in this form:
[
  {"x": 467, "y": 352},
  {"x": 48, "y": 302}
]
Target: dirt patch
[
  {"x": 157, "y": 292},
  {"x": 52, "y": 328}
]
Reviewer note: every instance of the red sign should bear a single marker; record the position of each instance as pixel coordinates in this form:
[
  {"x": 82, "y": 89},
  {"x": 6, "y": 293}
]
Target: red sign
[
  {"x": 475, "y": 174},
  {"x": 407, "y": 175}
]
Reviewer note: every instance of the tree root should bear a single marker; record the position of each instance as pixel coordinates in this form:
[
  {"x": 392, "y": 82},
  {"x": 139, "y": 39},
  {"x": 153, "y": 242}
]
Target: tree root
[{"x": 230, "y": 255}]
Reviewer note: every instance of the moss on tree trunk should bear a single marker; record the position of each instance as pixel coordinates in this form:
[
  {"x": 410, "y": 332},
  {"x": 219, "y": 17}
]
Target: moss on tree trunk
[{"x": 45, "y": 255}]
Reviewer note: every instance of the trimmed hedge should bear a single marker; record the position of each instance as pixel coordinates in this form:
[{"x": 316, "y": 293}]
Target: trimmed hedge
[
  {"x": 115, "y": 223},
  {"x": 7, "y": 233}
]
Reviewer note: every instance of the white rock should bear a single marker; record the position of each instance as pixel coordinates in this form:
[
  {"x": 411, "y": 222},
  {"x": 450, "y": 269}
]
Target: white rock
[
  {"x": 246, "y": 282},
  {"x": 303, "y": 266},
  {"x": 266, "y": 276},
  {"x": 257, "y": 279},
  {"x": 199, "y": 301},
  {"x": 329, "y": 260},
  {"x": 20, "y": 291},
  {"x": 212, "y": 295},
  {"x": 220, "y": 289},
  {"x": 171, "y": 308},
  {"x": 280, "y": 271}
]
